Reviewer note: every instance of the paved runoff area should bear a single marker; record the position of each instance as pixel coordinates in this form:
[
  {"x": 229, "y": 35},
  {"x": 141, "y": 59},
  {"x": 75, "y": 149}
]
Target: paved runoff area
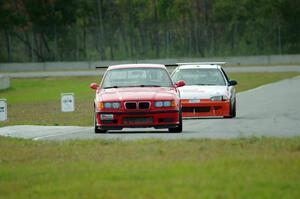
[{"x": 270, "y": 110}]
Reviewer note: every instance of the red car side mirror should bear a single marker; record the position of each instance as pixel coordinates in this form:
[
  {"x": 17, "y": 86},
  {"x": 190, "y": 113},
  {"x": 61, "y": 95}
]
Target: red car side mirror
[
  {"x": 180, "y": 83},
  {"x": 94, "y": 86}
]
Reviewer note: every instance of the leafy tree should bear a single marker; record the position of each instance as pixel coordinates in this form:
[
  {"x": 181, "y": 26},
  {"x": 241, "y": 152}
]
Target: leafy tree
[{"x": 67, "y": 30}]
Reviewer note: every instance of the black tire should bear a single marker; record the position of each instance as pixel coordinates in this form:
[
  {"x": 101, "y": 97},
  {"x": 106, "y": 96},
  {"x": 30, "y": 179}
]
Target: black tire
[
  {"x": 233, "y": 113},
  {"x": 177, "y": 129},
  {"x": 97, "y": 129},
  {"x": 232, "y": 110}
]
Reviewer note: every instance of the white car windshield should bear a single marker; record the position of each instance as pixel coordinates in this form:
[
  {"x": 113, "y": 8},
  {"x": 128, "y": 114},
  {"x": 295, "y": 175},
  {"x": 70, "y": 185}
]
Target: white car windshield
[
  {"x": 137, "y": 77},
  {"x": 203, "y": 76}
]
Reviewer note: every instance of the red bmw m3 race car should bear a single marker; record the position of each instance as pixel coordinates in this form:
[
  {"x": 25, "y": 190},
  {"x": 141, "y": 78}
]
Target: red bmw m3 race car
[
  {"x": 208, "y": 91},
  {"x": 137, "y": 96}
]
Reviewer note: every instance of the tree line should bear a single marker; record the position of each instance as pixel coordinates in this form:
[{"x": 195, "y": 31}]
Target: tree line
[{"x": 84, "y": 30}]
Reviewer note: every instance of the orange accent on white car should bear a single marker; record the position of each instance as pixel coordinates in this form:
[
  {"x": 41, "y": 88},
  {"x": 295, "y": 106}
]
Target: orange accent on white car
[{"x": 205, "y": 108}]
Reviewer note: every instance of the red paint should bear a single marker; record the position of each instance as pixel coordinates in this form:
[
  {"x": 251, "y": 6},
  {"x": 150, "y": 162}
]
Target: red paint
[{"x": 163, "y": 117}]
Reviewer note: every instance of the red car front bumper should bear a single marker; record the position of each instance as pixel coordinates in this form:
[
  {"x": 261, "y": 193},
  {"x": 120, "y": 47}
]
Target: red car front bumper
[
  {"x": 156, "y": 119},
  {"x": 205, "y": 108}
]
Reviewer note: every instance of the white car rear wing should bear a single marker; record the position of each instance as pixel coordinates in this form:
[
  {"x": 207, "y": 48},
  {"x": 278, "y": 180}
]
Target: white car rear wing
[{"x": 202, "y": 63}]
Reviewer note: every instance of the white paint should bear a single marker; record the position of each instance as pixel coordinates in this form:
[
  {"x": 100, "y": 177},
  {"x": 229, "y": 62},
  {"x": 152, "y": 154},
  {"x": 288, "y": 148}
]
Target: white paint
[
  {"x": 3, "y": 110},
  {"x": 67, "y": 102}
]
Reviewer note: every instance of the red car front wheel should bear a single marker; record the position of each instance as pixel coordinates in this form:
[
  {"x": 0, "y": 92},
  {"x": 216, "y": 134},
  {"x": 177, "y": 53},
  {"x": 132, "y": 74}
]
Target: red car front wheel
[{"x": 177, "y": 129}]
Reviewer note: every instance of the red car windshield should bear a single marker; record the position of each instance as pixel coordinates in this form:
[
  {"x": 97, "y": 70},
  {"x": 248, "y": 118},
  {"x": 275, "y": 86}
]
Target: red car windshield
[{"x": 137, "y": 77}]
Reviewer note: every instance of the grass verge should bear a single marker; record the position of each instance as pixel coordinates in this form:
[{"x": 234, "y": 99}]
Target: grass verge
[
  {"x": 37, "y": 100},
  {"x": 261, "y": 168}
]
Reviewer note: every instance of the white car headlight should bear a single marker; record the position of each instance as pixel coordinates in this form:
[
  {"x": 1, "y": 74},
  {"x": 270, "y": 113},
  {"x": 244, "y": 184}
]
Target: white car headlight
[{"x": 218, "y": 98}]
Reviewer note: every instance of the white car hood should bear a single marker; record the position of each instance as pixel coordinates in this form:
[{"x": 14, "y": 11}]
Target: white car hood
[{"x": 203, "y": 92}]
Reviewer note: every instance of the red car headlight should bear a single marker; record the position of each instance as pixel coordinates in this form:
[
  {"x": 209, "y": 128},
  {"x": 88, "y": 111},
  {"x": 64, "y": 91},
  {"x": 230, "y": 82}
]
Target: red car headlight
[
  {"x": 108, "y": 105},
  {"x": 159, "y": 104}
]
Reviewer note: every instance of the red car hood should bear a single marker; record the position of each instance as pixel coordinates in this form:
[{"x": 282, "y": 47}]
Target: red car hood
[{"x": 137, "y": 93}]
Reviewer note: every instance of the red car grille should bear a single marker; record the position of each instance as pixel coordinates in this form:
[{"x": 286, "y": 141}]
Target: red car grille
[
  {"x": 137, "y": 105},
  {"x": 130, "y": 105},
  {"x": 144, "y": 105}
]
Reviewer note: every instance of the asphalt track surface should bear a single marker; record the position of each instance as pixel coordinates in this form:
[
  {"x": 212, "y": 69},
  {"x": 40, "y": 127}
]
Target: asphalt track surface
[{"x": 271, "y": 110}]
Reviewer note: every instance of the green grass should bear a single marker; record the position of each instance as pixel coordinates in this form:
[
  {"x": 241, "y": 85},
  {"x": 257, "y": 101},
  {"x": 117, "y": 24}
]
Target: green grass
[
  {"x": 260, "y": 168},
  {"x": 248, "y": 81},
  {"x": 36, "y": 90},
  {"x": 37, "y": 100}
]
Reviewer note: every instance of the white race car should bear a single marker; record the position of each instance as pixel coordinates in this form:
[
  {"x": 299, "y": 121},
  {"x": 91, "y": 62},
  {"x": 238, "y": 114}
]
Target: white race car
[{"x": 208, "y": 91}]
